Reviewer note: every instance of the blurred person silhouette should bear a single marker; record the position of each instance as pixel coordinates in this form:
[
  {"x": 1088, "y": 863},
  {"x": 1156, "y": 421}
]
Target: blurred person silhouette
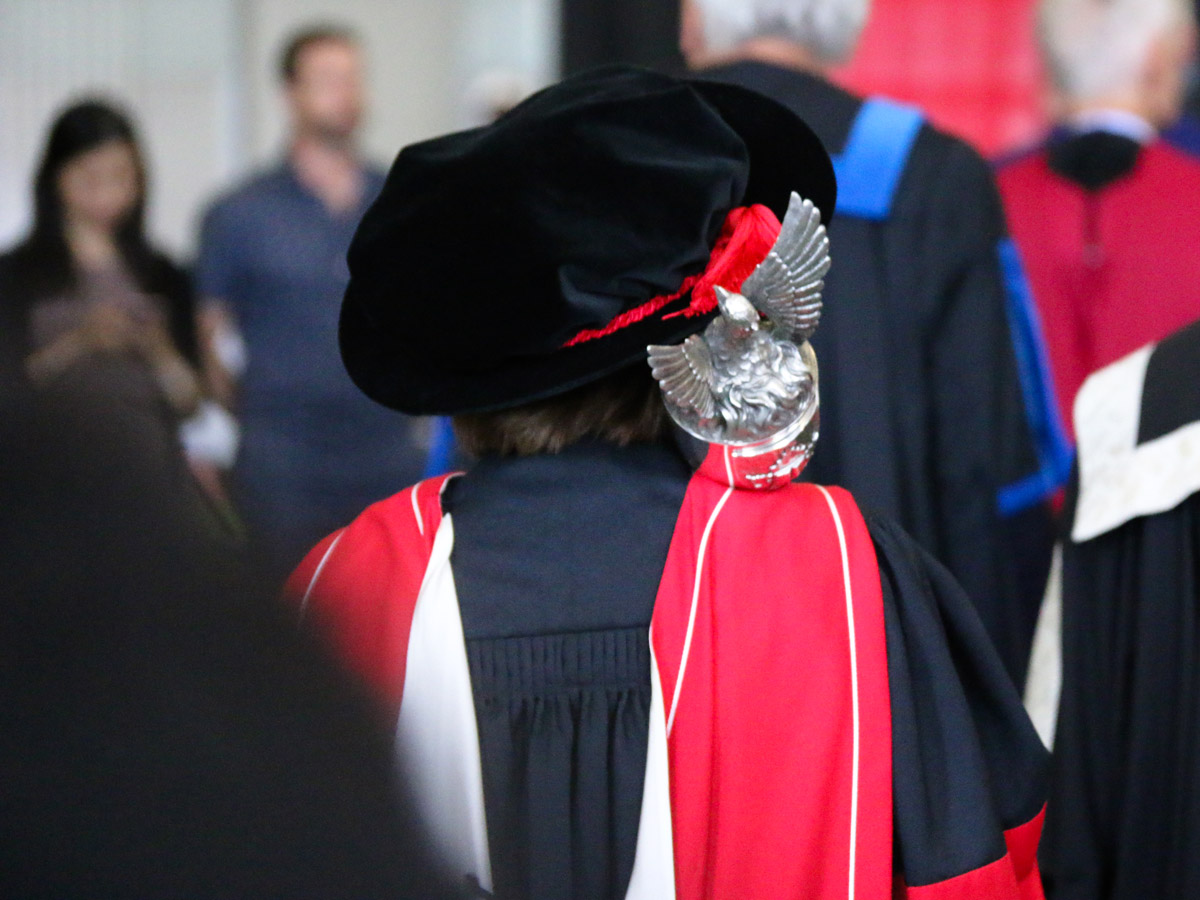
[
  {"x": 615, "y": 668},
  {"x": 938, "y": 412},
  {"x": 1105, "y": 211},
  {"x": 272, "y": 269},
  {"x": 89, "y": 304},
  {"x": 165, "y": 730},
  {"x": 1122, "y": 821}
]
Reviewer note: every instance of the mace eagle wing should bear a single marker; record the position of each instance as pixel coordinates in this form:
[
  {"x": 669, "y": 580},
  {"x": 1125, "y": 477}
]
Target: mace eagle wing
[
  {"x": 685, "y": 372},
  {"x": 786, "y": 286}
]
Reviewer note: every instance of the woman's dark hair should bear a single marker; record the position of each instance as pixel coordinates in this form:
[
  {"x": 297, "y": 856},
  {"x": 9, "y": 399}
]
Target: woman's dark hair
[
  {"x": 623, "y": 408},
  {"x": 82, "y": 127},
  {"x": 41, "y": 265}
]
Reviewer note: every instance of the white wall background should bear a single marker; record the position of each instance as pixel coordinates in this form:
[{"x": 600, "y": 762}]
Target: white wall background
[{"x": 199, "y": 77}]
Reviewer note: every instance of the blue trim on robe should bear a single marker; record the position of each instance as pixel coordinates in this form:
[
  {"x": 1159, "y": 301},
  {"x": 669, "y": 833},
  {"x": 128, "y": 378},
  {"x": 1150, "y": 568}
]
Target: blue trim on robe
[
  {"x": 441, "y": 448},
  {"x": 868, "y": 169},
  {"x": 1184, "y": 135},
  {"x": 1054, "y": 451}
]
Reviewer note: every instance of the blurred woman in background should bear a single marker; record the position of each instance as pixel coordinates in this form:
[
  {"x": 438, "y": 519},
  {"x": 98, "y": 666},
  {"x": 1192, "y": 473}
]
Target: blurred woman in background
[{"x": 91, "y": 307}]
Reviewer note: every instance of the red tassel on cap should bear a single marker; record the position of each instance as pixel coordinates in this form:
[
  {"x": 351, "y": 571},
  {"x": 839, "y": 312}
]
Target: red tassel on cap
[{"x": 746, "y": 237}]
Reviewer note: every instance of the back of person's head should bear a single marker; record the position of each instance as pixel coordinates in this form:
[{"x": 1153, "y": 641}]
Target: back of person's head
[
  {"x": 624, "y": 408},
  {"x": 827, "y": 29},
  {"x": 1098, "y": 49}
]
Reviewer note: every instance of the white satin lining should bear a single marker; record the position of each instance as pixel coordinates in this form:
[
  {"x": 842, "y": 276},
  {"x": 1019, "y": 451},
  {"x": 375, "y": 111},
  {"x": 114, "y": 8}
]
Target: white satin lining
[
  {"x": 654, "y": 860},
  {"x": 437, "y": 739},
  {"x": 1120, "y": 479},
  {"x": 437, "y": 745}
]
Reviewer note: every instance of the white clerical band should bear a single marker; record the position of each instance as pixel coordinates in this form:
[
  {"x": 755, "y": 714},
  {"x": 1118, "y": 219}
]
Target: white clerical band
[{"x": 1120, "y": 479}]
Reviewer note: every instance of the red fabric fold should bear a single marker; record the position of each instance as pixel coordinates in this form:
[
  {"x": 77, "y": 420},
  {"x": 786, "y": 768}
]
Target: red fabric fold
[
  {"x": 768, "y": 796},
  {"x": 1014, "y": 876}
]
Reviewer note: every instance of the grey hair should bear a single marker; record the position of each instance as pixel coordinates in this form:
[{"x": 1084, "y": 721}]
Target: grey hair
[
  {"x": 1095, "y": 47},
  {"x": 827, "y": 28}
]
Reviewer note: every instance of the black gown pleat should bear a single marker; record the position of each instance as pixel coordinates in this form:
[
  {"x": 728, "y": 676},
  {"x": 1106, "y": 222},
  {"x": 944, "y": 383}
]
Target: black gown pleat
[
  {"x": 1124, "y": 814},
  {"x": 557, "y": 561}
]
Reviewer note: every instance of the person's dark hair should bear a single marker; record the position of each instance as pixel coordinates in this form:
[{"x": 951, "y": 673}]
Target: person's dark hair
[
  {"x": 623, "y": 408},
  {"x": 42, "y": 265},
  {"x": 80, "y": 128},
  {"x": 289, "y": 58}
]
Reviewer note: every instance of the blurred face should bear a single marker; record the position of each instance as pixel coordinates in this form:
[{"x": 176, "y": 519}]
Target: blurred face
[
  {"x": 326, "y": 95},
  {"x": 691, "y": 35},
  {"x": 100, "y": 187}
]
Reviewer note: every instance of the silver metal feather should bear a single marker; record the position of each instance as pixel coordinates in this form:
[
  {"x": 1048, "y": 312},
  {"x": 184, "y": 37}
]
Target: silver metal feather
[
  {"x": 685, "y": 373},
  {"x": 751, "y": 385},
  {"x": 786, "y": 286}
]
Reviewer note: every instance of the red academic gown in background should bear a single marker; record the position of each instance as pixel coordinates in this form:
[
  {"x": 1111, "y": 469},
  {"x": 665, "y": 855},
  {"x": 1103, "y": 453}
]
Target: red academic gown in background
[{"x": 1108, "y": 230}]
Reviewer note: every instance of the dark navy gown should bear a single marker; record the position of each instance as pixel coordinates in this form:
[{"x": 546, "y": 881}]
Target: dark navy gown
[{"x": 557, "y": 561}]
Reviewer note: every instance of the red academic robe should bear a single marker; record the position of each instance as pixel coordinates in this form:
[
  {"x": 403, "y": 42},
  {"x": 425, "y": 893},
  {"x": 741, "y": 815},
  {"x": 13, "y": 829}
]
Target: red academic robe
[
  {"x": 779, "y": 792},
  {"x": 1111, "y": 268}
]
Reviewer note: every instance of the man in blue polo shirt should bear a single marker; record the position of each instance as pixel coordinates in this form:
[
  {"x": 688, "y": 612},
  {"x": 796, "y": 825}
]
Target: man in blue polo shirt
[{"x": 272, "y": 268}]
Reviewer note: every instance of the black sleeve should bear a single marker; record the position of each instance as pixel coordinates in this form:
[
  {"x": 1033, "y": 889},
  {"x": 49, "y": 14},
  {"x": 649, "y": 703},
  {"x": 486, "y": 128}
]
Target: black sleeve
[
  {"x": 972, "y": 362},
  {"x": 967, "y": 763},
  {"x": 14, "y": 309},
  {"x": 983, "y": 441},
  {"x": 11, "y": 328},
  {"x": 175, "y": 286},
  {"x": 1123, "y": 821}
]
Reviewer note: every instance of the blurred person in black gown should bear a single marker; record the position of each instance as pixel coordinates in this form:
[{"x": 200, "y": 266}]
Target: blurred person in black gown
[
  {"x": 1122, "y": 821},
  {"x": 93, "y": 307},
  {"x": 165, "y": 731},
  {"x": 938, "y": 414}
]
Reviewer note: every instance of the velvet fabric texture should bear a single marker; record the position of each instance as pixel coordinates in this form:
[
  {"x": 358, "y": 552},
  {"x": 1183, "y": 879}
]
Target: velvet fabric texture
[{"x": 489, "y": 250}]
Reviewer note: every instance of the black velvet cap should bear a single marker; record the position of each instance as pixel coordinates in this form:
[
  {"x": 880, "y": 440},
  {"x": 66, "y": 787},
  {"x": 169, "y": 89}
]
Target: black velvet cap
[{"x": 489, "y": 249}]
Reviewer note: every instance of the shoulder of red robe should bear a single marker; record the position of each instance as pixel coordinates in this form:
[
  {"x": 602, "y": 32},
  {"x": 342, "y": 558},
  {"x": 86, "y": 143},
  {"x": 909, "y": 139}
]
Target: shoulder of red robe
[{"x": 361, "y": 583}]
